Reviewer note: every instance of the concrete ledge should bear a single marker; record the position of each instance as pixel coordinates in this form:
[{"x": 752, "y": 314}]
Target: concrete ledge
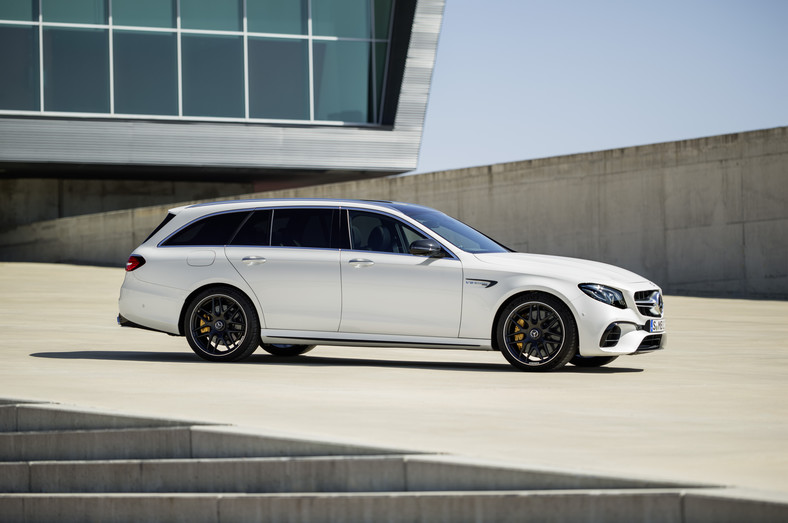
[
  {"x": 449, "y": 507},
  {"x": 735, "y": 505},
  {"x": 459, "y": 473},
  {"x": 46, "y": 417},
  {"x": 235, "y": 442},
  {"x": 99, "y": 444},
  {"x": 172, "y": 473},
  {"x": 165, "y": 443},
  {"x": 118, "y": 508},
  {"x": 324, "y": 474},
  {"x": 556, "y": 506},
  {"x": 260, "y": 475}
]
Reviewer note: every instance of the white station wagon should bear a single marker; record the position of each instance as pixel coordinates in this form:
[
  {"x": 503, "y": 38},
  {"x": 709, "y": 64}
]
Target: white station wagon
[{"x": 287, "y": 275}]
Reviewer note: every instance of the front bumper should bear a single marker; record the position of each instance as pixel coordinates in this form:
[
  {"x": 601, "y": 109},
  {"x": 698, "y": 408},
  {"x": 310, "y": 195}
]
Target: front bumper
[{"x": 605, "y": 330}]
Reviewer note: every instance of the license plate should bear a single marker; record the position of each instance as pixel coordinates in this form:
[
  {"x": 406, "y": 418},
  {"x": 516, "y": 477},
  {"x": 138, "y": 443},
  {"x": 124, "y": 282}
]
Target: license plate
[{"x": 656, "y": 325}]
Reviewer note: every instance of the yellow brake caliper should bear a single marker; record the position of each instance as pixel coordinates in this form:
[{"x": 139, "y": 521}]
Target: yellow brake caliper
[
  {"x": 520, "y": 336},
  {"x": 206, "y": 329}
]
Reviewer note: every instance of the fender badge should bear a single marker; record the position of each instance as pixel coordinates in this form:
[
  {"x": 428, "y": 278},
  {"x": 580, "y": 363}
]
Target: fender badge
[{"x": 484, "y": 284}]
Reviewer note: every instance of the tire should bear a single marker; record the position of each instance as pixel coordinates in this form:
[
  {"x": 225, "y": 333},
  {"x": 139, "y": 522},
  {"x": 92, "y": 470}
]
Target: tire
[
  {"x": 591, "y": 361},
  {"x": 537, "y": 332},
  {"x": 221, "y": 324},
  {"x": 286, "y": 351}
]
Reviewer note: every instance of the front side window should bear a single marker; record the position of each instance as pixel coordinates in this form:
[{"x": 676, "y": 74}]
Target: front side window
[
  {"x": 463, "y": 236},
  {"x": 380, "y": 233},
  {"x": 213, "y": 230}
]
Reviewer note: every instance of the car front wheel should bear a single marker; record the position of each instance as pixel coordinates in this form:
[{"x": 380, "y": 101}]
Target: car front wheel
[
  {"x": 221, "y": 324},
  {"x": 537, "y": 332}
]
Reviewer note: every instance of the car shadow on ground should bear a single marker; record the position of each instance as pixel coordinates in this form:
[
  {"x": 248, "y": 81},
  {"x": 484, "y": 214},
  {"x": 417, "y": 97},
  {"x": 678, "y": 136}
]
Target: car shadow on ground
[{"x": 310, "y": 360}]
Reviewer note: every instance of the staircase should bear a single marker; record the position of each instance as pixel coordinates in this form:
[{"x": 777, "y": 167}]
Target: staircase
[{"x": 64, "y": 464}]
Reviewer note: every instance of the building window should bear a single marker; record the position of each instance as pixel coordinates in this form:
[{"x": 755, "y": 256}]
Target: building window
[
  {"x": 146, "y": 72},
  {"x": 318, "y": 61},
  {"x": 278, "y": 78},
  {"x": 76, "y": 65},
  {"x": 19, "y": 87},
  {"x": 213, "y": 75}
]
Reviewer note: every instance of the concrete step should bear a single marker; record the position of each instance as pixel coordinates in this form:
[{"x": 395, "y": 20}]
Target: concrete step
[
  {"x": 21, "y": 417},
  {"x": 65, "y": 464},
  {"x": 272, "y": 475},
  {"x": 165, "y": 443},
  {"x": 611, "y": 506}
]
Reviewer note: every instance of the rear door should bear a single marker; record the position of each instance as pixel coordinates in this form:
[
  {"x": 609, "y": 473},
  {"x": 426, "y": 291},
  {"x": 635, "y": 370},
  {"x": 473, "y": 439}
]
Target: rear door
[{"x": 287, "y": 256}]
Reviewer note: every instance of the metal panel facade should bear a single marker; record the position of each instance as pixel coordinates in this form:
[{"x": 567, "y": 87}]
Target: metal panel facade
[{"x": 107, "y": 141}]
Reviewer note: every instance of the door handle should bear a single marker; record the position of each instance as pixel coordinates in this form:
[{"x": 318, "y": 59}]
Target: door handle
[
  {"x": 253, "y": 260},
  {"x": 361, "y": 262}
]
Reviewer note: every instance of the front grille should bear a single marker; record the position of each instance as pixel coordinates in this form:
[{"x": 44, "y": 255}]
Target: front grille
[
  {"x": 649, "y": 303},
  {"x": 650, "y": 342}
]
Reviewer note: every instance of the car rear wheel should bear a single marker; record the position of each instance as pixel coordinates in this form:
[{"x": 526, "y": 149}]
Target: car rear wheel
[
  {"x": 221, "y": 324},
  {"x": 537, "y": 332},
  {"x": 591, "y": 361},
  {"x": 286, "y": 350}
]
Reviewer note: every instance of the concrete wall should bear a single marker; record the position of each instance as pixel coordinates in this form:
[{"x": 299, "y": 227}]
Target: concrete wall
[
  {"x": 29, "y": 200},
  {"x": 706, "y": 216}
]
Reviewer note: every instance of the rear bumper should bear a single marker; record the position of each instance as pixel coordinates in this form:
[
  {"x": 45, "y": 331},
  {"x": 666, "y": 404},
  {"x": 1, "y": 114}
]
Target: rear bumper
[{"x": 124, "y": 322}]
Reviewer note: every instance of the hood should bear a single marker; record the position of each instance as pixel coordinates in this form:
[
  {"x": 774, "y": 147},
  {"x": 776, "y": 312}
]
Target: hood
[{"x": 575, "y": 269}]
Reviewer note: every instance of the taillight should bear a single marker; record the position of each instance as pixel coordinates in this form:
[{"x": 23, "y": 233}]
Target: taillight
[{"x": 135, "y": 262}]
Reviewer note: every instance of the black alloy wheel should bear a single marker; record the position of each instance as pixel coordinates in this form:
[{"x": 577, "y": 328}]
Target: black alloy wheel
[
  {"x": 221, "y": 325},
  {"x": 286, "y": 351},
  {"x": 537, "y": 332}
]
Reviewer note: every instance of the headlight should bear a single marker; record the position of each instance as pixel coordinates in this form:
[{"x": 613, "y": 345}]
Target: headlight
[{"x": 604, "y": 294}]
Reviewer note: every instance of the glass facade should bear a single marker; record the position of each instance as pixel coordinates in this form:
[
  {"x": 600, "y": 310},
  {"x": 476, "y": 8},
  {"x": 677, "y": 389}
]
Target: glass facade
[{"x": 321, "y": 61}]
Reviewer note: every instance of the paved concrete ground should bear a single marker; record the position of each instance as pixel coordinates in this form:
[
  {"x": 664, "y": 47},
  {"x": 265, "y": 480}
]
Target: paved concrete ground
[{"x": 713, "y": 407}]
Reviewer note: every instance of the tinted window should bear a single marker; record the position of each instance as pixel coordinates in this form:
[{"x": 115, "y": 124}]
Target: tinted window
[
  {"x": 213, "y": 230},
  {"x": 463, "y": 236},
  {"x": 256, "y": 230},
  {"x": 76, "y": 63},
  {"x": 20, "y": 68},
  {"x": 213, "y": 75},
  {"x": 380, "y": 233},
  {"x": 278, "y": 78},
  {"x": 303, "y": 228},
  {"x": 164, "y": 222}
]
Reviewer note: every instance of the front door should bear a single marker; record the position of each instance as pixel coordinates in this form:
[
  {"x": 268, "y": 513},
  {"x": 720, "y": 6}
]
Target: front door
[{"x": 386, "y": 290}]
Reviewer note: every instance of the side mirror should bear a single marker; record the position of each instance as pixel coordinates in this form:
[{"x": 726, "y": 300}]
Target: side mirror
[{"x": 429, "y": 248}]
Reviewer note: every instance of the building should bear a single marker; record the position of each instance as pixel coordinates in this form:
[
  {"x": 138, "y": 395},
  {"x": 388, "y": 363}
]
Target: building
[{"x": 109, "y": 104}]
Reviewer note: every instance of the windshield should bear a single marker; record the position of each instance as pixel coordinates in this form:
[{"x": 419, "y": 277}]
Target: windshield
[{"x": 463, "y": 236}]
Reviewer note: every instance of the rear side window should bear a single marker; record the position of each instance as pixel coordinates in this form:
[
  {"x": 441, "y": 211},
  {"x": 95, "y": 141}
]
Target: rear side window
[
  {"x": 303, "y": 228},
  {"x": 255, "y": 231},
  {"x": 211, "y": 230}
]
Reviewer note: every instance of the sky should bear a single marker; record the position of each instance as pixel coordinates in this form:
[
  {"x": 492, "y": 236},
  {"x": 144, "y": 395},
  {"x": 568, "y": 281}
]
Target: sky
[{"x": 519, "y": 80}]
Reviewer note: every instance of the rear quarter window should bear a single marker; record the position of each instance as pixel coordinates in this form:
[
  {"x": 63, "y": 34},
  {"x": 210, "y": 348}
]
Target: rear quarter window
[
  {"x": 211, "y": 230},
  {"x": 167, "y": 219}
]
